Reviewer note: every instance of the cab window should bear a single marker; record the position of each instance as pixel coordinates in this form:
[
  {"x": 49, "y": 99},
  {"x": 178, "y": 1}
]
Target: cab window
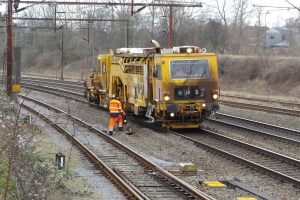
[
  {"x": 157, "y": 71},
  {"x": 189, "y": 69},
  {"x": 104, "y": 68},
  {"x": 158, "y": 68}
]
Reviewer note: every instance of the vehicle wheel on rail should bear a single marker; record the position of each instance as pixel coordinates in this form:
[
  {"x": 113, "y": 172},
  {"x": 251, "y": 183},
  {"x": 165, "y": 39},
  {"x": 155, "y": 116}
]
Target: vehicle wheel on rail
[
  {"x": 88, "y": 97},
  {"x": 98, "y": 100},
  {"x": 158, "y": 122}
]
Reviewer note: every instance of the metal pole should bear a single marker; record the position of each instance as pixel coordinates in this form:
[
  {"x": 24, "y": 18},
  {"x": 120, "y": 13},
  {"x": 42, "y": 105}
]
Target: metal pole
[
  {"x": 16, "y": 34},
  {"x": 9, "y": 48},
  {"x": 127, "y": 34},
  {"x": 131, "y": 7},
  {"x": 16, "y": 74},
  {"x": 171, "y": 28},
  {"x": 88, "y": 32},
  {"x": 62, "y": 54},
  {"x": 55, "y": 19}
]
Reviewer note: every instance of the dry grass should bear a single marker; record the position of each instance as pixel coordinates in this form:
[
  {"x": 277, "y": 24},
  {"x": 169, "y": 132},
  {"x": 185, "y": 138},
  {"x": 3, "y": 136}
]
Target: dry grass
[{"x": 275, "y": 77}]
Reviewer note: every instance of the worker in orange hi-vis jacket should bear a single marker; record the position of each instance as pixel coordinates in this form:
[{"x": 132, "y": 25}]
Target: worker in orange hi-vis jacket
[{"x": 116, "y": 111}]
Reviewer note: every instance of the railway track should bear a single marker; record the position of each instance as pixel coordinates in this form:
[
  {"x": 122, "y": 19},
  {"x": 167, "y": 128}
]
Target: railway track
[
  {"x": 77, "y": 90},
  {"x": 268, "y": 159},
  {"x": 270, "y": 109},
  {"x": 51, "y": 80},
  {"x": 267, "y": 131},
  {"x": 263, "y": 160},
  {"x": 136, "y": 177},
  {"x": 78, "y": 96},
  {"x": 252, "y": 99}
]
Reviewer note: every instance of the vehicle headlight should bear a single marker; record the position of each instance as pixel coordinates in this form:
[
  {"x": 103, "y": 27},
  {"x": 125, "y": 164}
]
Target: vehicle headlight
[
  {"x": 215, "y": 96},
  {"x": 167, "y": 98},
  {"x": 172, "y": 114},
  {"x": 189, "y": 50}
]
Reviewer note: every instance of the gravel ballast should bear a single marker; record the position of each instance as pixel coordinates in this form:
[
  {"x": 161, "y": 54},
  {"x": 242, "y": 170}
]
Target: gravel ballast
[{"x": 168, "y": 151}]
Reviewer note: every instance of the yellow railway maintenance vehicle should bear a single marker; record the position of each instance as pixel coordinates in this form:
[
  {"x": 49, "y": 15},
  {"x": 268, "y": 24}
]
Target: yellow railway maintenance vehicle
[{"x": 148, "y": 84}]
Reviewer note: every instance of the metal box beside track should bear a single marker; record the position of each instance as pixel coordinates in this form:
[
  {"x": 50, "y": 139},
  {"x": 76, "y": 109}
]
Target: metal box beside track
[{"x": 188, "y": 169}]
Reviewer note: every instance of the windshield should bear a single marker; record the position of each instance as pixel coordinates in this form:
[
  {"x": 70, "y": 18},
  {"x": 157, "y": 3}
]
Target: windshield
[{"x": 181, "y": 69}]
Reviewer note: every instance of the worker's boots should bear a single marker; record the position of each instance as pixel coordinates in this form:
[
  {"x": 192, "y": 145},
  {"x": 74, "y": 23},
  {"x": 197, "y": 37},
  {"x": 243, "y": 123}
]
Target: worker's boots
[{"x": 110, "y": 132}]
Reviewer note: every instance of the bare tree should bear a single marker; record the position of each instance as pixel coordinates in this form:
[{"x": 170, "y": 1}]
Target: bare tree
[
  {"x": 214, "y": 33},
  {"x": 222, "y": 11},
  {"x": 293, "y": 36},
  {"x": 240, "y": 20}
]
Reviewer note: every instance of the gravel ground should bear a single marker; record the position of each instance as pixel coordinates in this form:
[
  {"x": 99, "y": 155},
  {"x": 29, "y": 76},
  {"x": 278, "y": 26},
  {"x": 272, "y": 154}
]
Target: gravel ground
[
  {"x": 168, "y": 150},
  {"x": 85, "y": 183}
]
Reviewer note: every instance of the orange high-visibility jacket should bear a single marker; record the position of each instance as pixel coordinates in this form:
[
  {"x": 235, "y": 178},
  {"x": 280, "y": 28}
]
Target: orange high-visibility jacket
[{"x": 115, "y": 108}]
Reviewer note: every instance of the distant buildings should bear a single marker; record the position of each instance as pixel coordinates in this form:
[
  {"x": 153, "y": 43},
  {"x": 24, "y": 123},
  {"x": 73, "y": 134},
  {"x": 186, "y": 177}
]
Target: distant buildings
[
  {"x": 281, "y": 37},
  {"x": 260, "y": 36}
]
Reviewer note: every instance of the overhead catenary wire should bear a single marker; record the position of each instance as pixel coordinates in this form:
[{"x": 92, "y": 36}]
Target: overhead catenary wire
[{"x": 293, "y": 5}]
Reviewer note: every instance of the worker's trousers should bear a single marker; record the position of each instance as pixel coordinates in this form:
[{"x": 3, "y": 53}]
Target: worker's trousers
[{"x": 112, "y": 120}]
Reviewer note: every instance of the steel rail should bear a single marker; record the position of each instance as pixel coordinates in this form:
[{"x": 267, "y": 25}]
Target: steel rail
[
  {"x": 57, "y": 91},
  {"x": 178, "y": 182},
  {"x": 263, "y": 100},
  {"x": 124, "y": 187},
  {"x": 276, "y": 110},
  {"x": 246, "y": 162},
  {"x": 277, "y": 137},
  {"x": 261, "y": 124}
]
